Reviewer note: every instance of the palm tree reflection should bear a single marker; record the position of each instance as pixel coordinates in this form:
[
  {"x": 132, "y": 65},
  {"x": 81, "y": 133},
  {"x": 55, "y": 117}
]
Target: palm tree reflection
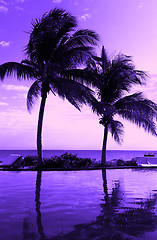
[
  {"x": 29, "y": 232},
  {"x": 117, "y": 219},
  {"x": 38, "y": 203},
  {"x": 132, "y": 218}
]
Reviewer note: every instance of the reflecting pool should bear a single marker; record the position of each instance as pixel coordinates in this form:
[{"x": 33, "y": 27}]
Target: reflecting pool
[{"x": 81, "y": 205}]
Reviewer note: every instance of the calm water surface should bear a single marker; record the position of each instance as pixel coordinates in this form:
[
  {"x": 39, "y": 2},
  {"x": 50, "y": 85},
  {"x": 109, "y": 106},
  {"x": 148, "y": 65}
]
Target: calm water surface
[{"x": 115, "y": 204}]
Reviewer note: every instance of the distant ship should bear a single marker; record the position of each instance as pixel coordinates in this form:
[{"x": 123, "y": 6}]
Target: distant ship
[{"x": 149, "y": 155}]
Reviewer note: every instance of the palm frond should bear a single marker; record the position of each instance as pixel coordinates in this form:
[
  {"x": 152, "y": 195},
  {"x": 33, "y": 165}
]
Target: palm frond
[
  {"x": 138, "y": 103},
  {"x": 119, "y": 77},
  {"x": 76, "y": 93},
  {"x": 70, "y": 58},
  {"x": 104, "y": 59},
  {"x": 47, "y": 33},
  {"x": 122, "y": 67},
  {"x": 29, "y": 63},
  {"x": 33, "y": 94},
  {"x": 141, "y": 121},
  {"x": 138, "y": 110},
  {"x": 84, "y": 76},
  {"x": 113, "y": 126},
  {"x": 67, "y": 26},
  {"x": 56, "y": 18},
  {"x": 116, "y": 129},
  {"x": 16, "y": 69},
  {"x": 83, "y": 37},
  {"x": 54, "y": 31}
]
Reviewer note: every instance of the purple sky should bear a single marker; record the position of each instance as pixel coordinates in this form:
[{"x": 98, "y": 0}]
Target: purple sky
[{"x": 129, "y": 27}]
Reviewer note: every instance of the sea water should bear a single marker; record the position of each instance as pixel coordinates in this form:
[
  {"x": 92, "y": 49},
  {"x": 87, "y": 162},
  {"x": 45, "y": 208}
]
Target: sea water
[{"x": 93, "y": 154}]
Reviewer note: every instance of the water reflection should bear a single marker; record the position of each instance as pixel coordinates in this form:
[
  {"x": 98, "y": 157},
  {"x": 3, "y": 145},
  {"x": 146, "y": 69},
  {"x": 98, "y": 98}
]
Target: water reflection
[
  {"x": 118, "y": 218},
  {"x": 28, "y": 226},
  {"x": 28, "y": 229},
  {"x": 122, "y": 218},
  {"x": 38, "y": 203},
  {"x": 87, "y": 205}
]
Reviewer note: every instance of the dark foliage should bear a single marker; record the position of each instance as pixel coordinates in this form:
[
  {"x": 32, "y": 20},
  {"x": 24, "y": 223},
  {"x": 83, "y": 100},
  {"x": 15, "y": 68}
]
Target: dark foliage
[
  {"x": 30, "y": 160},
  {"x": 68, "y": 161},
  {"x": 121, "y": 163},
  {"x": 72, "y": 161}
]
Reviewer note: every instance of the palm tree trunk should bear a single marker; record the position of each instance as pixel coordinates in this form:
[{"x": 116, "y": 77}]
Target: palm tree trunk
[
  {"x": 103, "y": 156},
  {"x": 39, "y": 129}
]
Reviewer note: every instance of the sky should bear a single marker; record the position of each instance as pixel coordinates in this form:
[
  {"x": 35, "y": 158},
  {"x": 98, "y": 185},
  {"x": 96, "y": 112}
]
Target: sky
[{"x": 124, "y": 26}]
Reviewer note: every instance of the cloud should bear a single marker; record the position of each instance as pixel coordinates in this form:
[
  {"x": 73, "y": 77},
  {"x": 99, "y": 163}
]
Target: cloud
[
  {"x": 19, "y": 8},
  {"x": 4, "y": 44},
  {"x": 16, "y": 119},
  {"x": 57, "y": 1},
  {"x": 140, "y": 5},
  {"x": 85, "y": 16},
  {"x": 3, "y": 9},
  {"x": 4, "y": 98},
  {"x": 3, "y": 2},
  {"x": 154, "y": 75},
  {"x": 20, "y": 1},
  {"x": 14, "y": 88},
  {"x": 4, "y": 104},
  {"x": 76, "y": 3},
  {"x": 20, "y": 96}
]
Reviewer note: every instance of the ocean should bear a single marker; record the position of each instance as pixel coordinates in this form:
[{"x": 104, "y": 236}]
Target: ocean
[{"x": 93, "y": 154}]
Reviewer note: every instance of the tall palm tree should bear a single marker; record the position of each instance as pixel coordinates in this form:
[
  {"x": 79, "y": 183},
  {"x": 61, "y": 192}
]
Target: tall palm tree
[
  {"x": 53, "y": 48},
  {"x": 117, "y": 77},
  {"x": 113, "y": 79}
]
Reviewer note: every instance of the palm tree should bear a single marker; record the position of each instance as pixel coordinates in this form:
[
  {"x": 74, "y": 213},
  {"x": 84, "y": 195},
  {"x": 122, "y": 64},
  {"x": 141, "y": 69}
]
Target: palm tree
[
  {"x": 53, "y": 48},
  {"x": 113, "y": 80},
  {"x": 117, "y": 77}
]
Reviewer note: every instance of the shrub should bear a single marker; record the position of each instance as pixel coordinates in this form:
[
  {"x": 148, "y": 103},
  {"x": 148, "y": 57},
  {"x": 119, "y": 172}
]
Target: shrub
[
  {"x": 53, "y": 162},
  {"x": 131, "y": 163},
  {"x": 30, "y": 161},
  {"x": 67, "y": 160},
  {"x": 120, "y": 162}
]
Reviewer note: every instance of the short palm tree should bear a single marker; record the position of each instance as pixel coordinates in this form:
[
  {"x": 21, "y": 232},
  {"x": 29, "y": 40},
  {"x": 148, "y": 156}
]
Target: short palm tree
[
  {"x": 113, "y": 80},
  {"x": 53, "y": 48}
]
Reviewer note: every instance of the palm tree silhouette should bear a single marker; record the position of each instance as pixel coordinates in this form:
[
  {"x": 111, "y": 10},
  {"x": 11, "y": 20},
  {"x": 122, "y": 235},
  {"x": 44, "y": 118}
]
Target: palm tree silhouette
[
  {"x": 53, "y": 48},
  {"x": 113, "y": 80}
]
